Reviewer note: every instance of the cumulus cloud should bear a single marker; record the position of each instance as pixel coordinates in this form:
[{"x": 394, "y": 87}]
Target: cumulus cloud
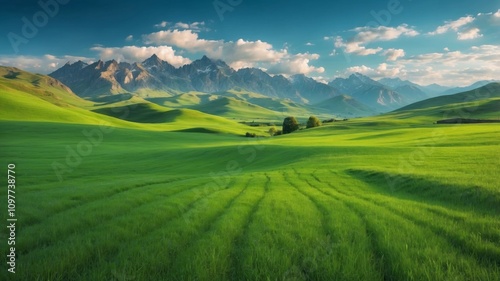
[
  {"x": 185, "y": 39},
  {"x": 454, "y": 68},
  {"x": 452, "y": 25},
  {"x": 309, "y": 44},
  {"x": 382, "y": 33},
  {"x": 129, "y": 38},
  {"x": 138, "y": 54},
  {"x": 196, "y": 26},
  {"x": 394, "y": 54},
  {"x": 471, "y": 33},
  {"x": 446, "y": 68},
  {"x": 238, "y": 54},
  {"x": 366, "y": 35},
  {"x": 381, "y": 71},
  {"x": 466, "y": 28},
  {"x": 296, "y": 64},
  {"x": 162, "y": 24},
  {"x": 40, "y": 64},
  {"x": 355, "y": 48}
]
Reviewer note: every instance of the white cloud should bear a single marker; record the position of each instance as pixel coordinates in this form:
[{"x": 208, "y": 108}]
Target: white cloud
[
  {"x": 454, "y": 68},
  {"x": 466, "y": 28},
  {"x": 355, "y": 48},
  {"x": 497, "y": 14},
  {"x": 309, "y": 44},
  {"x": 383, "y": 70},
  {"x": 138, "y": 54},
  {"x": 446, "y": 49},
  {"x": 185, "y": 39},
  {"x": 162, "y": 24},
  {"x": 320, "y": 79},
  {"x": 129, "y": 38},
  {"x": 447, "y": 68},
  {"x": 394, "y": 54},
  {"x": 382, "y": 33},
  {"x": 471, "y": 33},
  {"x": 42, "y": 64},
  {"x": 366, "y": 35},
  {"x": 238, "y": 54},
  {"x": 452, "y": 25},
  {"x": 196, "y": 26},
  {"x": 296, "y": 64}
]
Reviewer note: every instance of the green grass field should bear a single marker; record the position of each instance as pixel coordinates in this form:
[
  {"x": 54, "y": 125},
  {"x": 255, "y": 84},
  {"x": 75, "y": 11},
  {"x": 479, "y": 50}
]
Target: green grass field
[
  {"x": 333, "y": 203},
  {"x": 176, "y": 194}
]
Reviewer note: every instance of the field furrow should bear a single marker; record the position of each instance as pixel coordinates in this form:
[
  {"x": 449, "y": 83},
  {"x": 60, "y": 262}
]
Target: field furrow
[
  {"x": 380, "y": 221},
  {"x": 93, "y": 246},
  {"x": 74, "y": 197},
  {"x": 161, "y": 248},
  {"x": 349, "y": 250},
  {"x": 97, "y": 212}
]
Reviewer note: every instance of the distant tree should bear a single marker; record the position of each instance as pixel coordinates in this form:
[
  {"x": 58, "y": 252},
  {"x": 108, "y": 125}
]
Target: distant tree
[
  {"x": 313, "y": 122},
  {"x": 272, "y": 131},
  {"x": 250, "y": 135},
  {"x": 290, "y": 124},
  {"x": 279, "y": 133}
]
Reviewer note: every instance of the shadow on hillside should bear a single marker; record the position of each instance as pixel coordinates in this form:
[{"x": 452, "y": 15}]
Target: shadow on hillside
[
  {"x": 421, "y": 189},
  {"x": 12, "y": 75},
  {"x": 140, "y": 113}
]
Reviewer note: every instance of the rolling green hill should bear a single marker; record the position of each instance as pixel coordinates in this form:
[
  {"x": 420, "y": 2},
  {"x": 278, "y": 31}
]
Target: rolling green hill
[
  {"x": 38, "y": 98},
  {"x": 483, "y": 102},
  {"x": 282, "y": 106},
  {"x": 238, "y": 104},
  {"x": 32, "y": 97},
  {"x": 184, "y": 100},
  {"x": 345, "y": 106},
  {"x": 237, "y": 109}
]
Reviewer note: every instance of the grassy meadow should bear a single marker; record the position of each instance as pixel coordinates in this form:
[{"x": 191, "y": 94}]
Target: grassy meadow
[{"x": 340, "y": 202}]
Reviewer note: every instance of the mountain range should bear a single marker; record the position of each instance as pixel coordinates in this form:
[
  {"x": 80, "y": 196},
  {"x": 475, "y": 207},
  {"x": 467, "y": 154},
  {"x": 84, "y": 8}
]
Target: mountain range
[
  {"x": 203, "y": 75},
  {"x": 155, "y": 78}
]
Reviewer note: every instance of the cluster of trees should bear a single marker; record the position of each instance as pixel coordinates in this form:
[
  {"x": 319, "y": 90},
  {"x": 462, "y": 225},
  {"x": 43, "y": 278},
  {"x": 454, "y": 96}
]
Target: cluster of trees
[{"x": 290, "y": 124}]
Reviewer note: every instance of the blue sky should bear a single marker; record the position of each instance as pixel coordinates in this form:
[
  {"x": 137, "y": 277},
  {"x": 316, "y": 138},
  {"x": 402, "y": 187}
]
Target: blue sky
[{"x": 445, "y": 42}]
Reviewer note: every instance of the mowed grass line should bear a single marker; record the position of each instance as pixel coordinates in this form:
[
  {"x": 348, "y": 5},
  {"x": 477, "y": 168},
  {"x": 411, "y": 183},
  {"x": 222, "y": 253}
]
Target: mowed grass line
[
  {"x": 238, "y": 269},
  {"x": 82, "y": 250},
  {"x": 411, "y": 251},
  {"x": 281, "y": 236},
  {"x": 383, "y": 268},
  {"x": 469, "y": 195},
  {"x": 476, "y": 235},
  {"x": 465, "y": 238},
  {"x": 73, "y": 197},
  {"x": 349, "y": 253},
  {"x": 96, "y": 212},
  {"x": 153, "y": 256}
]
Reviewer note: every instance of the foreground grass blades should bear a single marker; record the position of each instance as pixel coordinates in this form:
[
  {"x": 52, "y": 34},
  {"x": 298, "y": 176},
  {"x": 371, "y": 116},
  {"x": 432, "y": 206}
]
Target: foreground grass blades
[{"x": 346, "y": 202}]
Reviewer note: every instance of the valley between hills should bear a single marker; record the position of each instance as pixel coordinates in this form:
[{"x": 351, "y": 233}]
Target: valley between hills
[{"x": 142, "y": 171}]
